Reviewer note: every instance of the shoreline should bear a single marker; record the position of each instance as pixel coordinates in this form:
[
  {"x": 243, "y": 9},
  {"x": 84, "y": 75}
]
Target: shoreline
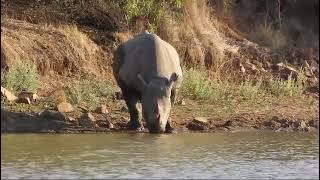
[{"x": 22, "y": 122}]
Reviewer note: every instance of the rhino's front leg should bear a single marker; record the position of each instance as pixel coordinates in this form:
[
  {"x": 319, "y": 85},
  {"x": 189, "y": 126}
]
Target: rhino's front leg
[
  {"x": 169, "y": 126},
  {"x": 135, "y": 113}
]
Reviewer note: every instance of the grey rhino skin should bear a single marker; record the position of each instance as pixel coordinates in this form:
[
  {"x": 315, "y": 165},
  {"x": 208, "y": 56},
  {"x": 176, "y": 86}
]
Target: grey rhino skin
[{"x": 147, "y": 70}]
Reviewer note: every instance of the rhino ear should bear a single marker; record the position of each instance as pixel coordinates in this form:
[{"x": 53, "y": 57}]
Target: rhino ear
[
  {"x": 142, "y": 81},
  {"x": 173, "y": 78}
]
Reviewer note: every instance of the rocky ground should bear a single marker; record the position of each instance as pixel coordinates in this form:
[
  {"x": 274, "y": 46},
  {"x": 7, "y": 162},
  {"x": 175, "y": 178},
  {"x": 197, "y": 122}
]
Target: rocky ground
[{"x": 187, "y": 116}]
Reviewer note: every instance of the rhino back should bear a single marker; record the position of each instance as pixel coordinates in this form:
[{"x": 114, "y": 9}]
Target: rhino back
[{"x": 150, "y": 56}]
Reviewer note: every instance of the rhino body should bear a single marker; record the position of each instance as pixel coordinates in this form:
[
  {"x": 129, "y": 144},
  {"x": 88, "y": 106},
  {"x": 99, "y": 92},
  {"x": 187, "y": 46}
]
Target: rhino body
[{"x": 147, "y": 70}]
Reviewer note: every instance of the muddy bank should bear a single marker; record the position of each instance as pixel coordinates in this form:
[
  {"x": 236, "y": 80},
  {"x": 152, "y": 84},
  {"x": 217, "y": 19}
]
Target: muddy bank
[{"x": 49, "y": 121}]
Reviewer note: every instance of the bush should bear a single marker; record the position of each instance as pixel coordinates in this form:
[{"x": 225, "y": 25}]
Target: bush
[
  {"x": 196, "y": 85},
  {"x": 248, "y": 90},
  {"x": 22, "y": 76},
  {"x": 90, "y": 91},
  {"x": 152, "y": 10},
  {"x": 289, "y": 87}
]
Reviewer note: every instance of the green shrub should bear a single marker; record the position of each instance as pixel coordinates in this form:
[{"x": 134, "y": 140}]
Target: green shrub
[
  {"x": 289, "y": 87},
  {"x": 90, "y": 91},
  {"x": 248, "y": 90},
  {"x": 22, "y": 76},
  {"x": 197, "y": 86},
  {"x": 152, "y": 10}
]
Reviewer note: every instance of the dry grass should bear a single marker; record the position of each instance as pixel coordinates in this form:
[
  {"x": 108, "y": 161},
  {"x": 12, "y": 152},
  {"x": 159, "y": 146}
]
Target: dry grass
[
  {"x": 196, "y": 36},
  {"x": 61, "y": 50}
]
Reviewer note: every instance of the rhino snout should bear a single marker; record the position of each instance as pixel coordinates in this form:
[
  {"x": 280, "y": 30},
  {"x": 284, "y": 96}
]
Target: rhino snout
[{"x": 156, "y": 126}]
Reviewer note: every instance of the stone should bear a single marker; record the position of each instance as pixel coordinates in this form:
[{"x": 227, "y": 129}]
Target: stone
[
  {"x": 72, "y": 121},
  {"x": 49, "y": 114},
  {"x": 182, "y": 102},
  {"x": 312, "y": 129},
  {"x": 87, "y": 120},
  {"x": 25, "y": 94},
  {"x": 25, "y": 122},
  {"x": 314, "y": 123},
  {"x": 65, "y": 107},
  {"x": 7, "y": 94},
  {"x": 102, "y": 109},
  {"x": 83, "y": 107},
  {"x": 105, "y": 123},
  {"x": 302, "y": 126},
  {"x": 200, "y": 119},
  {"x": 198, "y": 123}
]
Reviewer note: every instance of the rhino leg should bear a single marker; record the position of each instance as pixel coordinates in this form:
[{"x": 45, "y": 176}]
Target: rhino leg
[
  {"x": 169, "y": 126},
  {"x": 135, "y": 112},
  {"x": 132, "y": 98}
]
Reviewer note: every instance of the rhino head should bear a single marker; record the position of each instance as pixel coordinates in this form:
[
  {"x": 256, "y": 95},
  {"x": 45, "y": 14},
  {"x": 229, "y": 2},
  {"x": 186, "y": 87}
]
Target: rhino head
[{"x": 156, "y": 103}]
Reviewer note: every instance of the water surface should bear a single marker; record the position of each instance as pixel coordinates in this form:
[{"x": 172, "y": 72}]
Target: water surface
[{"x": 194, "y": 155}]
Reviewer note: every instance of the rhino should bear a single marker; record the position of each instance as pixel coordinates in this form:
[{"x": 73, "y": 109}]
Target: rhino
[{"x": 148, "y": 72}]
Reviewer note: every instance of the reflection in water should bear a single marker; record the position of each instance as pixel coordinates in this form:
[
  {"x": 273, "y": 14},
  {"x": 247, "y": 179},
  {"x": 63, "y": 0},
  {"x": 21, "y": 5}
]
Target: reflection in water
[{"x": 225, "y": 155}]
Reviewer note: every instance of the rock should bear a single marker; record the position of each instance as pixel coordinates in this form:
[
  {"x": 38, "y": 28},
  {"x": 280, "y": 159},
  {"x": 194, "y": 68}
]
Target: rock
[
  {"x": 105, "y": 123},
  {"x": 87, "y": 120},
  {"x": 272, "y": 124},
  {"x": 65, "y": 107},
  {"x": 83, "y": 106},
  {"x": 49, "y": 114},
  {"x": 32, "y": 96},
  {"x": 198, "y": 123},
  {"x": 182, "y": 102},
  {"x": 110, "y": 125},
  {"x": 102, "y": 110},
  {"x": 312, "y": 129},
  {"x": 7, "y": 94},
  {"x": 69, "y": 118},
  {"x": 72, "y": 121},
  {"x": 301, "y": 126},
  {"x": 200, "y": 119},
  {"x": 24, "y": 122},
  {"x": 314, "y": 123},
  {"x": 25, "y": 100}
]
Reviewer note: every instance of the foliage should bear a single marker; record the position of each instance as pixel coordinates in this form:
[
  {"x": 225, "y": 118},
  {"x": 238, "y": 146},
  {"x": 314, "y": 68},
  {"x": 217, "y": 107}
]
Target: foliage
[
  {"x": 90, "y": 90},
  {"x": 289, "y": 87},
  {"x": 196, "y": 85},
  {"x": 151, "y": 10},
  {"x": 248, "y": 90},
  {"x": 21, "y": 76}
]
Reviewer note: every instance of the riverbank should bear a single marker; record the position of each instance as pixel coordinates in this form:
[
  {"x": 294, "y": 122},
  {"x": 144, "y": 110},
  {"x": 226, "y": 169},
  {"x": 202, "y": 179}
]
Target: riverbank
[{"x": 299, "y": 114}]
